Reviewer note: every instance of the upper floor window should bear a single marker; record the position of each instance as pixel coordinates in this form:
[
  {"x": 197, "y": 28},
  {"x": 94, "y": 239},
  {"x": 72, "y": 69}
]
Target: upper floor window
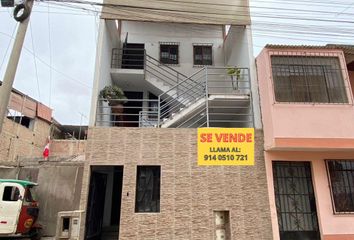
[
  {"x": 21, "y": 119},
  {"x": 341, "y": 174},
  {"x": 169, "y": 53},
  {"x": 308, "y": 79},
  {"x": 202, "y": 55}
]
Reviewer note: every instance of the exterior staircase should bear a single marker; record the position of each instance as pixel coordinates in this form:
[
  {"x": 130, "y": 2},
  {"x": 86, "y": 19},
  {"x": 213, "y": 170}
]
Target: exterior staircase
[
  {"x": 208, "y": 98},
  {"x": 211, "y": 97}
]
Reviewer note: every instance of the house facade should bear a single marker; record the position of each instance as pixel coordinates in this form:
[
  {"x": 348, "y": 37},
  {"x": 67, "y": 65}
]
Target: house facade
[
  {"x": 307, "y": 111},
  {"x": 181, "y": 67}
]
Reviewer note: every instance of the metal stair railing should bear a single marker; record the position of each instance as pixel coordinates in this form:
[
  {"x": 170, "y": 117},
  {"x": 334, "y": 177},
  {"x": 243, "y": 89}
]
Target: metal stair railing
[
  {"x": 165, "y": 74},
  {"x": 190, "y": 90},
  {"x": 136, "y": 58},
  {"x": 219, "y": 99},
  {"x": 185, "y": 92}
]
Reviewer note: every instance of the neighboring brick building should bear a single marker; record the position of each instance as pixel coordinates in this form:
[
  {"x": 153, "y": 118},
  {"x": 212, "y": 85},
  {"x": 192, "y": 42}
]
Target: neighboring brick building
[
  {"x": 26, "y": 129},
  {"x": 24, "y": 135}
]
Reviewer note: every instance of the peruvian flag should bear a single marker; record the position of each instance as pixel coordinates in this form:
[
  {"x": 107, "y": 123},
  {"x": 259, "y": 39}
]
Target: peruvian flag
[{"x": 46, "y": 151}]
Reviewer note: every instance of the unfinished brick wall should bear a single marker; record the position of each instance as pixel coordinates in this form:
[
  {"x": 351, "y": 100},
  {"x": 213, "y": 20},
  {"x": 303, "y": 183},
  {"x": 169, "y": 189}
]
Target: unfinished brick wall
[
  {"x": 67, "y": 147},
  {"x": 17, "y": 140},
  {"x": 189, "y": 193}
]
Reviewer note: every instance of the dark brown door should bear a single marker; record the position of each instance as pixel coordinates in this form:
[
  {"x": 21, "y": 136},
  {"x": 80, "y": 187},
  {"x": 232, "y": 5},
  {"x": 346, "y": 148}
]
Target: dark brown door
[
  {"x": 295, "y": 201},
  {"x": 95, "y": 206},
  {"x": 133, "y": 56}
]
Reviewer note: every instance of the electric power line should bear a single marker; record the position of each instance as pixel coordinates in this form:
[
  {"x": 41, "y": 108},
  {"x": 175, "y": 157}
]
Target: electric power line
[
  {"x": 50, "y": 58},
  {"x": 34, "y": 61},
  {"x": 8, "y": 46}
]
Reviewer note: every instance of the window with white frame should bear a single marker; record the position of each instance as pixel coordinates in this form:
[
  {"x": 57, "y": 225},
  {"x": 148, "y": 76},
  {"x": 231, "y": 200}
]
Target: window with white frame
[
  {"x": 341, "y": 176},
  {"x": 308, "y": 79}
]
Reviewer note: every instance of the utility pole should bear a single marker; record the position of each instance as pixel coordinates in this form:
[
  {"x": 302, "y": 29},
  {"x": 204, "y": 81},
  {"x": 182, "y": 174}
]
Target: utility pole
[{"x": 22, "y": 14}]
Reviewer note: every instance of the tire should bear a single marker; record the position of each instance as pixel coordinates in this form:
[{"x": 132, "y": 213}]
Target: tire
[
  {"x": 24, "y": 15},
  {"x": 36, "y": 234}
]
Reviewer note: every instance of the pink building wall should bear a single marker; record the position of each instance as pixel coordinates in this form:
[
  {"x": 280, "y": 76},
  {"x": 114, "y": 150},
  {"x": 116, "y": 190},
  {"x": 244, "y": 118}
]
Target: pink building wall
[
  {"x": 340, "y": 226},
  {"x": 308, "y": 132},
  {"x": 286, "y": 121},
  {"x": 351, "y": 77}
]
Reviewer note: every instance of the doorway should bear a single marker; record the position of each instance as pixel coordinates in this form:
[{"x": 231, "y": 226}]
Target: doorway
[
  {"x": 133, "y": 55},
  {"x": 295, "y": 201},
  {"x": 132, "y": 109},
  {"x": 104, "y": 203}
]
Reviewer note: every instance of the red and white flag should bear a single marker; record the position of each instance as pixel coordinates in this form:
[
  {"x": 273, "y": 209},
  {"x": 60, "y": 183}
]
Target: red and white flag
[{"x": 46, "y": 150}]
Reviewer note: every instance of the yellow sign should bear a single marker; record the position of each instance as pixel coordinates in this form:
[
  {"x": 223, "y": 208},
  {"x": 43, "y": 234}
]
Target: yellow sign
[{"x": 225, "y": 146}]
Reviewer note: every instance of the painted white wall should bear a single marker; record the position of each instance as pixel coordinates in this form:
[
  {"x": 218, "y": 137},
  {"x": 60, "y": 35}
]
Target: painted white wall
[
  {"x": 185, "y": 34},
  {"x": 254, "y": 82},
  {"x": 239, "y": 52},
  {"x": 234, "y": 50},
  {"x": 107, "y": 39},
  {"x": 236, "y": 47}
]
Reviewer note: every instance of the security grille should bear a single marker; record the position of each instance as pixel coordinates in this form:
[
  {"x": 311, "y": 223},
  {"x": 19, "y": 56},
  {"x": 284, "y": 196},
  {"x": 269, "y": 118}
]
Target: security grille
[
  {"x": 295, "y": 201},
  {"x": 308, "y": 79},
  {"x": 341, "y": 174}
]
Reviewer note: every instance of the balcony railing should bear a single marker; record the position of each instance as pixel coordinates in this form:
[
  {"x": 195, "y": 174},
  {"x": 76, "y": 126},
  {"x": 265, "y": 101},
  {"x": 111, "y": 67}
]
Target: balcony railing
[
  {"x": 128, "y": 58},
  {"x": 211, "y": 97},
  {"x": 130, "y": 113}
]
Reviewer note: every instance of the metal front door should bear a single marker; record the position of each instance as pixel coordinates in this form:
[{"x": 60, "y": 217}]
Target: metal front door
[
  {"x": 11, "y": 196},
  {"x": 95, "y": 206},
  {"x": 295, "y": 201}
]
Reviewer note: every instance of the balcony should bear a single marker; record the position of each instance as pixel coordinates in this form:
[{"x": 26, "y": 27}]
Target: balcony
[
  {"x": 211, "y": 97},
  {"x": 130, "y": 113},
  {"x": 127, "y": 65}
]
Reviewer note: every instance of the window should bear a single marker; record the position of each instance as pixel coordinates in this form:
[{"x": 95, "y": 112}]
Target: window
[
  {"x": 202, "y": 55},
  {"x": 148, "y": 189},
  {"x": 308, "y": 79},
  {"x": 169, "y": 53},
  {"x": 20, "y": 119},
  {"x": 11, "y": 194},
  {"x": 341, "y": 175}
]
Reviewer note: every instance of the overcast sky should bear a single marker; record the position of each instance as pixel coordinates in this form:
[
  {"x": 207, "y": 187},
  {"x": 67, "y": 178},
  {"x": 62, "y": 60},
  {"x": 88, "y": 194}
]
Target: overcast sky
[{"x": 73, "y": 36}]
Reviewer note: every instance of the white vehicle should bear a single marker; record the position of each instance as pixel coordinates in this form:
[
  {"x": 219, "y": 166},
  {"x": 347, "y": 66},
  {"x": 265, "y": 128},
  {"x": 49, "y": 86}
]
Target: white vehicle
[{"x": 18, "y": 210}]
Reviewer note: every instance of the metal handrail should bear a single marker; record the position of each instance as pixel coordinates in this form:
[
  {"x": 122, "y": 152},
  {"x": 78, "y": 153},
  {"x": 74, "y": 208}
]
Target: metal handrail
[
  {"x": 131, "y": 112},
  {"x": 180, "y": 102},
  {"x": 166, "y": 66},
  {"x": 183, "y": 91},
  {"x": 188, "y": 95},
  {"x": 213, "y": 80},
  {"x": 145, "y": 121},
  {"x": 188, "y": 78}
]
